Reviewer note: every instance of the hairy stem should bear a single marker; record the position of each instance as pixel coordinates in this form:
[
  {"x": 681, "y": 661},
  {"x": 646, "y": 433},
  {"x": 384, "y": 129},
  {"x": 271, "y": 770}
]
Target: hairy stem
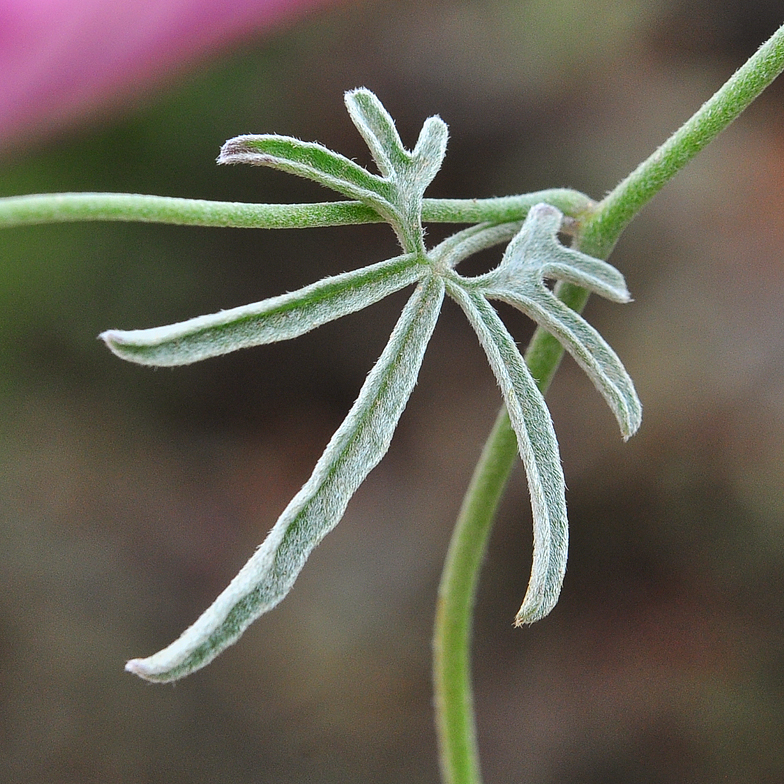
[
  {"x": 596, "y": 236},
  {"x": 69, "y": 207}
]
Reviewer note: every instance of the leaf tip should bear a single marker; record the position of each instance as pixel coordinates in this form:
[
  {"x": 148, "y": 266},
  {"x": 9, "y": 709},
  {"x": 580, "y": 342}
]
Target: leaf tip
[
  {"x": 631, "y": 428},
  {"x": 531, "y": 613},
  {"x": 140, "y": 668},
  {"x": 127, "y": 345},
  {"x": 240, "y": 149},
  {"x": 154, "y": 669},
  {"x": 228, "y": 150},
  {"x": 113, "y": 338},
  {"x": 540, "y": 599},
  {"x": 358, "y": 92},
  {"x": 538, "y": 603},
  {"x": 361, "y": 99},
  {"x": 632, "y": 420},
  {"x": 545, "y": 210}
]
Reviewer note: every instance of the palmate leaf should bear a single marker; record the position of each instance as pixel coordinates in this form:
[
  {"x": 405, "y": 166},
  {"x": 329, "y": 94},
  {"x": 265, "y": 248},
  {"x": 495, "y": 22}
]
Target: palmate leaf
[
  {"x": 538, "y": 447},
  {"x": 533, "y": 254},
  {"x": 357, "y": 446},
  {"x": 268, "y": 321}
]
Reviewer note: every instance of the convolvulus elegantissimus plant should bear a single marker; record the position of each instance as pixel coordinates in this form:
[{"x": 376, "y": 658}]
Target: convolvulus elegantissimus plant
[{"x": 530, "y": 225}]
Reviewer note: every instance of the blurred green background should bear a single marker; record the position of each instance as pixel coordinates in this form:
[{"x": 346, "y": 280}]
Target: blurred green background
[{"x": 131, "y": 496}]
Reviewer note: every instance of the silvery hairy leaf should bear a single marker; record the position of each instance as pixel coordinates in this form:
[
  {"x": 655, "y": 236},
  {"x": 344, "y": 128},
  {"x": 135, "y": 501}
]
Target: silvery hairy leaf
[
  {"x": 377, "y": 128},
  {"x": 538, "y": 447},
  {"x": 396, "y": 195},
  {"x": 268, "y": 321},
  {"x": 534, "y": 254},
  {"x": 355, "y": 449},
  {"x": 312, "y": 161},
  {"x": 412, "y": 171},
  {"x": 409, "y": 173}
]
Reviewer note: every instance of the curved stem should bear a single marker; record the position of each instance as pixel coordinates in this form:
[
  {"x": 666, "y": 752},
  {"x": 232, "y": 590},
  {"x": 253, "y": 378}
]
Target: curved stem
[
  {"x": 455, "y": 723},
  {"x": 69, "y": 207}
]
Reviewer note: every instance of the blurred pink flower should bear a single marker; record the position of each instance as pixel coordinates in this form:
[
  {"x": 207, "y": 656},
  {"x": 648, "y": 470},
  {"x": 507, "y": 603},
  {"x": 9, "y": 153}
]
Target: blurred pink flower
[{"x": 60, "y": 60}]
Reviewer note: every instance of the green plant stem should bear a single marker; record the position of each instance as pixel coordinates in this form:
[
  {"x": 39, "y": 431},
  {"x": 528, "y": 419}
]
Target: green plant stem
[
  {"x": 455, "y": 722},
  {"x": 69, "y": 207}
]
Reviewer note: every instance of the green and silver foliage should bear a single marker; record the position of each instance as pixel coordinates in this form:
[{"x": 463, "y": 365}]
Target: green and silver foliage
[{"x": 533, "y": 255}]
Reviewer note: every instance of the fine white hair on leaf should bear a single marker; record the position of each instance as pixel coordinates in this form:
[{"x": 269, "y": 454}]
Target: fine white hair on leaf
[
  {"x": 271, "y": 320},
  {"x": 355, "y": 449},
  {"x": 533, "y": 254},
  {"x": 538, "y": 447}
]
